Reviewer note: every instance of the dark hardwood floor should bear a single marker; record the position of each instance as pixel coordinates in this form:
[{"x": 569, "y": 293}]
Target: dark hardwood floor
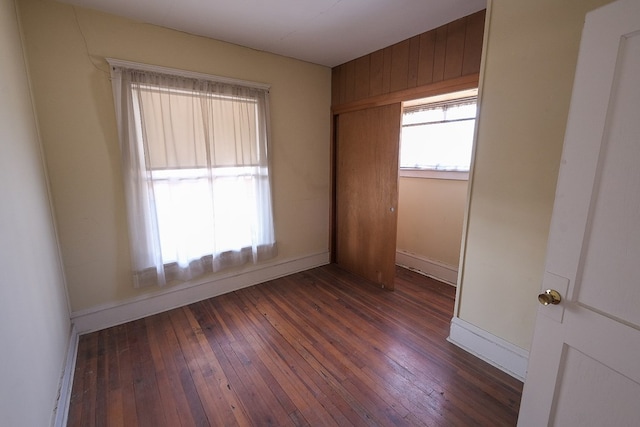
[{"x": 321, "y": 347}]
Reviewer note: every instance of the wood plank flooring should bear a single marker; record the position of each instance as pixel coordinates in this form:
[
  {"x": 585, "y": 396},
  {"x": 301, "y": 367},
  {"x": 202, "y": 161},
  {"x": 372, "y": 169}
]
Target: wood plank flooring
[{"x": 321, "y": 347}]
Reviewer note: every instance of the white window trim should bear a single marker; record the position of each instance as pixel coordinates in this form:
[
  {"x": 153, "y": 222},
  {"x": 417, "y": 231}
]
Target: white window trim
[{"x": 434, "y": 174}]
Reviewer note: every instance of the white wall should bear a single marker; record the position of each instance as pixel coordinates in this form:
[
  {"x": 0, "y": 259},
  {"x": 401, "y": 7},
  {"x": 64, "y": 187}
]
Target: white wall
[
  {"x": 528, "y": 69},
  {"x": 430, "y": 221},
  {"x": 34, "y": 318}
]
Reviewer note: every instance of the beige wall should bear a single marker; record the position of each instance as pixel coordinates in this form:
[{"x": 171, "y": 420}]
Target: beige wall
[
  {"x": 525, "y": 93},
  {"x": 430, "y": 217},
  {"x": 66, "y": 48},
  {"x": 34, "y": 317}
]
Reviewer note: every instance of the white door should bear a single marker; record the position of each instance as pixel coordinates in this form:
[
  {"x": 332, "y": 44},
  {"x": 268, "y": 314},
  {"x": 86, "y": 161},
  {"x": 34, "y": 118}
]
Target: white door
[{"x": 584, "y": 365}]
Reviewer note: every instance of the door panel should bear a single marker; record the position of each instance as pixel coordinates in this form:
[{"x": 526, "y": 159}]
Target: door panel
[
  {"x": 612, "y": 249},
  {"x": 583, "y": 365},
  {"x": 586, "y": 386},
  {"x": 367, "y": 146}
]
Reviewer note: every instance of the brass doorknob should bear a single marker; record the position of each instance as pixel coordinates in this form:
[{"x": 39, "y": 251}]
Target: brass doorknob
[{"x": 550, "y": 296}]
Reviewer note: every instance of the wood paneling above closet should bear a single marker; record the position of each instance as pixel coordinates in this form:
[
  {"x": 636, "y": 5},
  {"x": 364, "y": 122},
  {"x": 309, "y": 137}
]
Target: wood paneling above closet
[{"x": 445, "y": 53}]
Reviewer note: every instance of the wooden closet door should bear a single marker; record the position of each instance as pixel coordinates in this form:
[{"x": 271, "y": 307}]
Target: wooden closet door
[{"x": 367, "y": 145}]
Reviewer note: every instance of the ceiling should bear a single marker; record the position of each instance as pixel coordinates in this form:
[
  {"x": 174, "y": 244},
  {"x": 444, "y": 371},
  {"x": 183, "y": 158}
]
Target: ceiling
[{"x": 325, "y": 32}]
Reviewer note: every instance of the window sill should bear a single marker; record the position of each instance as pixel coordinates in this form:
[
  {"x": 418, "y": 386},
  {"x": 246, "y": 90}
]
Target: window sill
[{"x": 434, "y": 174}]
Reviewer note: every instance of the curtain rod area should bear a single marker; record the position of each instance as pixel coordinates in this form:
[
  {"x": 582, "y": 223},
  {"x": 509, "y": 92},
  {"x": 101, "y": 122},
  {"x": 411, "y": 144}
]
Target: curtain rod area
[{"x": 183, "y": 73}]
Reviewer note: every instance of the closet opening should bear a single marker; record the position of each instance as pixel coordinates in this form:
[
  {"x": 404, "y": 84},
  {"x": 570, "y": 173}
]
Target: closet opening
[{"x": 436, "y": 144}]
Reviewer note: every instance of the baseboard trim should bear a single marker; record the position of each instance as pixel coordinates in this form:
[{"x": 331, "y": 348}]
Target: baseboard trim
[
  {"x": 61, "y": 411},
  {"x": 492, "y": 349},
  {"x": 440, "y": 271},
  {"x": 109, "y": 315}
]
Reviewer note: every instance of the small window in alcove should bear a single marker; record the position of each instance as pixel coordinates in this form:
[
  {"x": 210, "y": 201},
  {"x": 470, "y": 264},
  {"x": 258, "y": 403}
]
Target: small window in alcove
[{"x": 437, "y": 133}]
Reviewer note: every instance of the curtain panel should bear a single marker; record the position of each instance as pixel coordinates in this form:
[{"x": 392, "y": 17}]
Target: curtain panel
[{"x": 196, "y": 173}]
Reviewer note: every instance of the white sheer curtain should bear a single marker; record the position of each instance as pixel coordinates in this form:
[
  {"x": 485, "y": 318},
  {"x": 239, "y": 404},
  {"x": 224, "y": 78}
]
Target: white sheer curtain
[{"x": 196, "y": 174}]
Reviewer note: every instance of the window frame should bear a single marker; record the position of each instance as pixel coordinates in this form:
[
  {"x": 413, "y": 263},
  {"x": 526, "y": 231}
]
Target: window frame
[
  {"x": 149, "y": 266},
  {"x": 432, "y": 173}
]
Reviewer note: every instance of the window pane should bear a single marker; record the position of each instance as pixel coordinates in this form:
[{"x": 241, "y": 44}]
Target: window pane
[
  {"x": 184, "y": 215},
  {"x": 438, "y": 138},
  {"x": 192, "y": 224},
  {"x": 440, "y": 146},
  {"x": 189, "y": 129}
]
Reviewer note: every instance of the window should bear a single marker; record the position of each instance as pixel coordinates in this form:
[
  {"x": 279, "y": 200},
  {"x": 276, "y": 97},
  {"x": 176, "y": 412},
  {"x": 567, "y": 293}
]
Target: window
[
  {"x": 196, "y": 172},
  {"x": 437, "y": 133}
]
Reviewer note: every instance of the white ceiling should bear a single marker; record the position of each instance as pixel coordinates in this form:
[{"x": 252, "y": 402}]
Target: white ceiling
[{"x": 326, "y": 32}]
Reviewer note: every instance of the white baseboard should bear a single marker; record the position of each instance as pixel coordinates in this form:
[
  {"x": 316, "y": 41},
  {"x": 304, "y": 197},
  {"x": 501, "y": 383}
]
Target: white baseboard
[
  {"x": 61, "y": 411},
  {"x": 109, "y": 315},
  {"x": 492, "y": 349},
  {"x": 440, "y": 271}
]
